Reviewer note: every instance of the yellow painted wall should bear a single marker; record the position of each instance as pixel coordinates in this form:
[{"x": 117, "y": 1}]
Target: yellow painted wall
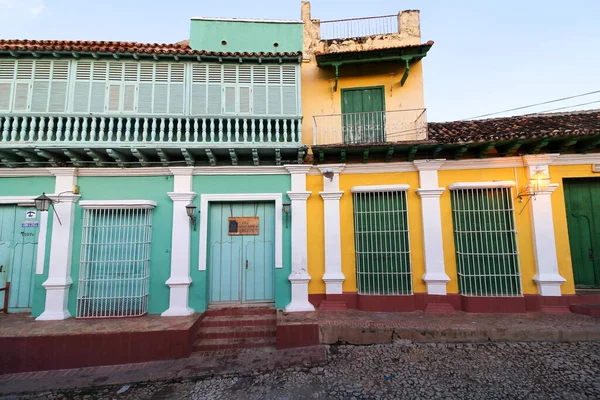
[{"x": 319, "y": 98}]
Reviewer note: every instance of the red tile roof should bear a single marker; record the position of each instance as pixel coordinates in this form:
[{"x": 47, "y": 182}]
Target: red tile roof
[
  {"x": 83, "y": 46},
  {"x": 409, "y": 46},
  {"x": 578, "y": 123}
]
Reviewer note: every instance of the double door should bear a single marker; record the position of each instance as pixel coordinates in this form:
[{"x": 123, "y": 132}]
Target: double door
[
  {"x": 363, "y": 115},
  {"x": 241, "y": 263}
]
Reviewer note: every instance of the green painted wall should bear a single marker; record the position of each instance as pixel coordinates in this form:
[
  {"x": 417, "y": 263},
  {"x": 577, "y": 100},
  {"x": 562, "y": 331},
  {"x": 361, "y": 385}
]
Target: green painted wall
[
  {"x": 129, "y": 188},
  {"x": 225, "y": 184},
  {"x": 33, "y": 186},
  {"x": 245, "y": 36}
]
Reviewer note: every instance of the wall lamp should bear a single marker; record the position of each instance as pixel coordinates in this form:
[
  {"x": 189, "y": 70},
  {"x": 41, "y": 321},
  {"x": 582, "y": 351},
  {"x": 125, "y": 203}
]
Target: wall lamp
[
  {"x": 190, "y": 209},
  {"x": 43, "y": 202},
  {"x": 328, "y": 173},
  {"x": 538, "y": 182},
  {"x": 286, "y": 210}
]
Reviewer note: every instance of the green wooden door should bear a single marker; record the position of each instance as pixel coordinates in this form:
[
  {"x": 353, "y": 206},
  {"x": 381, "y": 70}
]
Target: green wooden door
[
  {"x": 18, "y": 245},
  {"x": 241, "y": 268},
  {"x": 582, "y": 197},
  {"x": 363, "y": 115}
]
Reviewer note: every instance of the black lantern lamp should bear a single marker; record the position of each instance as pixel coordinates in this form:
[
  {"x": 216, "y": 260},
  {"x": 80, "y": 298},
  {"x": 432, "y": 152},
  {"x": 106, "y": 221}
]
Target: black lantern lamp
[
  {"x": 286, "y": 210},
  {"x": 190, "y": 209},
  {"x": 43, "y": 202}
]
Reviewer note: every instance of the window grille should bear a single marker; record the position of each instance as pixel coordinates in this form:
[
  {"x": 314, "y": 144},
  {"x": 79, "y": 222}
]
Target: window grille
[
  {"x": 114, "y": 264},
  {"x": 382, "y": 243},
  {"x": 487, "y": 257}
]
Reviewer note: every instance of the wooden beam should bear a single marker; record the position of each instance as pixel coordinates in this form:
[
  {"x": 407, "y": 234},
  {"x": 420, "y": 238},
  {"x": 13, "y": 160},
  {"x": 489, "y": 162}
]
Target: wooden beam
[
  {"x": 277, "y": 156},
  {"x": 365, "y": 156},
  {"x": 411, "y": 153},
  {"x": 97, "y": 157},
  {"x": 141, "y": 157},
  {"x": 32, "y": 159},
  {"x": 233, "y": 156},
  {"x": 509, "y": 148},
  {"x": 459, "y": 151},
  {"x": 436, "y": 151},
  {"x": 535, "y": 149},
  {"x": 74, "y": 157},
  {"x": 163, "y": 157},
  {"x": 389, "y": 154},
  {"x": 588, "y": 145},
  {"x": 564, "y": 144},
  {"x": 255, "y": 158},
  {"x": 211, "y": 157},
  {"x": 321, "y": 156},
  {"x": 10, "y": 160},
  {"x": 119, "y": 157},
  {"x": 189, "y": 159},
  {"x": 483, "y": 150},
  {"x": 54, "y": 159},
  {"x": 343, "y": 156},
  {"x": 301, "y": 156}
]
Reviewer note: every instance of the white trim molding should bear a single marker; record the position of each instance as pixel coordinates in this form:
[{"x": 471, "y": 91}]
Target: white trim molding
[
  {"x": 145, "y": 171},
  {"x": 246, "y": 170},
  {"x": 17, "y": 199},
  {"x": 379, "y": 188},
  {"x": 16, "y": 172},
  {"x": 116, "y": 204},
  {"x": 240, "y": 197},
  {"x": 481, "y": 185}
]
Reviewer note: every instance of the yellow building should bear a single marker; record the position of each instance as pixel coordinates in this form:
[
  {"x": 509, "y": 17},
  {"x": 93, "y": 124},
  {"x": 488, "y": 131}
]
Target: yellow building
[{"x": 408, "y": 215}]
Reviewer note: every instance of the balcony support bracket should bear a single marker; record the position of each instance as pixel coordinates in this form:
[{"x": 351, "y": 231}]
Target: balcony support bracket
[{"x": 406, "y": 72}]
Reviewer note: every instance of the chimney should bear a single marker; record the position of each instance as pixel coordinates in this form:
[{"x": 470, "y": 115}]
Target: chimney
[{"x": 409, "y": 25}]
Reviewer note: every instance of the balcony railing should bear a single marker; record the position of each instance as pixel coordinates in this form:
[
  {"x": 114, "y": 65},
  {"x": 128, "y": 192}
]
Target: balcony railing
[
  {"x": 370, "y": 127},
  {"x": 43, "y": 131},
  {"x": 359, "y": 27}
]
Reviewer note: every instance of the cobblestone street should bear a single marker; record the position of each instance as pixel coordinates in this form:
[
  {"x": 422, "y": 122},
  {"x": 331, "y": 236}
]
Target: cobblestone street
[{"x": 402, "y": 370}]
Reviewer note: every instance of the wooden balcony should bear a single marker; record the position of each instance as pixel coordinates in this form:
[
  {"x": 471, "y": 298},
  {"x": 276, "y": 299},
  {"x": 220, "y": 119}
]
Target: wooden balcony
[{"x": 94, "y": 140}]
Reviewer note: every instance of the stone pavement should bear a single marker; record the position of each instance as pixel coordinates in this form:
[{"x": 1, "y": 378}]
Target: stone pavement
[
  {"x": 399, "y": 370},
  {"x": 360, "y": 327}
]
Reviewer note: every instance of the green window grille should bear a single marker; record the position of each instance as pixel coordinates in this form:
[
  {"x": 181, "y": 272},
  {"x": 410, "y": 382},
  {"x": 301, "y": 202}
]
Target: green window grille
[
  {"x": 114, "y": 264},
  {"x": 381, "y": 242},
  {"x": 487, "y": 257}
]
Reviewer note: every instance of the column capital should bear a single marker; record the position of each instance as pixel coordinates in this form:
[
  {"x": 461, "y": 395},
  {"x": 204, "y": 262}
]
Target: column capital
[
  {"x": 299, "y": 196},
  {"x": 63, "y": 171},
  {"x": 184, "y": 171},
  {"x": 337, "y": 168},
  {"x": 429, "y": 165},
  {"x": 430, "y": 193},
  {"x": 551, "y": 188},
  {"x": 65, "y": 198},
  {"x": 539, "y": 159},
  {"x": 331, "y": 195},
  {"x": 57, "y": 283},
  {"x": 185, "y": 196},
  {"x": 297, "y": 169}
]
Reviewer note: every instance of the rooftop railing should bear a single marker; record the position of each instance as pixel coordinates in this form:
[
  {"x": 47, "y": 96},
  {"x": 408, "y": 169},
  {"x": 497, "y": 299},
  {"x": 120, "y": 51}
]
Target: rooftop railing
[
  {"x": 370, "y": 127},
  {"x": 359, "y": 27}
]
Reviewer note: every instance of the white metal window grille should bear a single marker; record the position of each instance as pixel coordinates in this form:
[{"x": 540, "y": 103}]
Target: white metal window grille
[
  {"x": 114, "y": 263},
  {"x": 487, "y": 257},
  {"x": 382, "y": 243}
]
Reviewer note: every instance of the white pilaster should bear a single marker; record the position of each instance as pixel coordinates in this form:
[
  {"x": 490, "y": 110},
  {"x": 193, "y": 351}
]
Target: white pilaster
[
  {"x": 544, "y": 243},
  {"x": 331, "y": 195},
  {"x": 180, "y": 280},
  {"x": 59, "y": 268},
  {"x": 299, "y": 276},
  {"x": 435, "y": 275}
]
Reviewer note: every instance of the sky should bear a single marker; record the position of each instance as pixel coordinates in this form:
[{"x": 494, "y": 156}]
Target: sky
[{"x": 488, "y": 56}]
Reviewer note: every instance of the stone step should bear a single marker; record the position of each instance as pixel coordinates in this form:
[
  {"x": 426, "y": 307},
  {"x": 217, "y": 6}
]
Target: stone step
[
  {"x": 439, "y": 308},
  {"x": 230, "y": 332},
  {"x": 239, "y": 320},
  {"x": 592, "y": 310},
  {"x": 234, "y": 311},
  {"x": 237, "y": 343},
  {"x": 330, "y": 305}
]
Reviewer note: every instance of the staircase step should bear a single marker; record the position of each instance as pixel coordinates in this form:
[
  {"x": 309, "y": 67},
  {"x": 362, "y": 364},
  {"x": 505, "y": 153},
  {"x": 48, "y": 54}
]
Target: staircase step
[
  {"x": 233, "y": 311},
  {"x": 330, "y": 305},
  {"x": 440, "y": 308},
  {"x": 229, "y": 332},
  {"x": 240, "y": 320},
  {"x": 592, "y": 310},
  {"x": 226, "y": 344}
]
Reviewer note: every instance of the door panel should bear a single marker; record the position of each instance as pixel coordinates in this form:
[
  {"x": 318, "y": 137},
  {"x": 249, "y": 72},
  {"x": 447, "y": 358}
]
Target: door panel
[
  {"x": 582, "y": 197},
  {"x": 363, "y": 115},
  {"x": 241, "y": 268}
]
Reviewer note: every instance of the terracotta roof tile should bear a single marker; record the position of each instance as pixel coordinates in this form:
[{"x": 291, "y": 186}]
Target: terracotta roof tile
[
  {"x": 578, "y": 123},
  {"x": 408, "y": 46},
  {"x": 181, "y": 48}
]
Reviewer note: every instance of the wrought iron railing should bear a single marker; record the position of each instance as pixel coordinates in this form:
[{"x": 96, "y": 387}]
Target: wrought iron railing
[
  {"x": 28, "y": 130},
  {"x": 359, "y": 27},
  {"x": 370, "y": 127}
]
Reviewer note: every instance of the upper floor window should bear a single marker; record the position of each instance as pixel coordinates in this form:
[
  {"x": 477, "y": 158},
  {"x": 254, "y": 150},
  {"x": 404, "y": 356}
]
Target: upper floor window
[{"x": 154, "y": 88}]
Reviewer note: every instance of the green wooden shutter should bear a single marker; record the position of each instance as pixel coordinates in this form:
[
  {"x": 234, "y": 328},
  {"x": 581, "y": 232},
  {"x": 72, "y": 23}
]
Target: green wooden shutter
[{"x": 7, "y": 76}]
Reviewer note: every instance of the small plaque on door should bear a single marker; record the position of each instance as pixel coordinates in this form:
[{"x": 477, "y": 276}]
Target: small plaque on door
[{"x": 243, "y": 226}]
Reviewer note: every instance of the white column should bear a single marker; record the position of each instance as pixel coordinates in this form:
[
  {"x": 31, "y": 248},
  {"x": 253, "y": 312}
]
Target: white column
[
  {"x": 542, "y": 224},
  {"x": 435, "y": 275},
  {"x": 331, "y": 195},
  {"x": 180, "y": 280},
  {"x": 299, "y": 277},
  {"x": 59, "y": 268}
]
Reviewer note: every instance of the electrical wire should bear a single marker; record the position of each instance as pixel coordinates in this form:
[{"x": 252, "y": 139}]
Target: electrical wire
[{"x": 575, "y": 105}]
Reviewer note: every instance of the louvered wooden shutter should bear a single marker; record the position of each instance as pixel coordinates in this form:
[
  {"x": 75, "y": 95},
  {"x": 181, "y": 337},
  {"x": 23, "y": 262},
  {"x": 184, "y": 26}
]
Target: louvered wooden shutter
[
  {"x": 129, "y": 89},
  {"x": 177, "y": 89},
  {"x": 59, "y": 85},
  {"x": 22, "y": 85},
  {"x": 81, "y": 91},
  {"x": 7, "y": 76},
  {"x": 198, "y": 95},
  {"x": 274, "y": 89},
  {"x": 214, "y": 106},
  {"x": 259, "y": 90},
  {"x": 161, "y": 89},
  {"x": 98, "y": 94},
  {"x": 289, "y": 90},
  {"x": 146, "y": 88}
]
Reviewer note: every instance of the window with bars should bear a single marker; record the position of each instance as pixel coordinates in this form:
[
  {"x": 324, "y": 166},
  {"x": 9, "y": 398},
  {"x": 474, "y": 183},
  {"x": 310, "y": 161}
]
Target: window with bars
[
  {"x": 381, "y": 241},
  {"x": 162, "y": 88},
  {"x": 114, "y": 263},
  {"x": 487, "y": 257}
]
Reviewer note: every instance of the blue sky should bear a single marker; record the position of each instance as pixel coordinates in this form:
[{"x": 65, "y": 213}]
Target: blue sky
[{"x": 488, "y": 55}]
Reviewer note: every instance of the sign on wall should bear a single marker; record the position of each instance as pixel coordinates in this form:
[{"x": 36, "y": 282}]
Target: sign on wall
[
  {"x": 30, "y": 214},
  {"x": 243, "y": 226}
]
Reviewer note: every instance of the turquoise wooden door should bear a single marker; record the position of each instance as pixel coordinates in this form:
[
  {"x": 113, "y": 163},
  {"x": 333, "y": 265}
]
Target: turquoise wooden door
[
  {"x": 241, "y": 268},
  {"x": 582, "y": 197},
  {"x": 363, "y": 115},
  {"x": 18, "y": 248}
]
